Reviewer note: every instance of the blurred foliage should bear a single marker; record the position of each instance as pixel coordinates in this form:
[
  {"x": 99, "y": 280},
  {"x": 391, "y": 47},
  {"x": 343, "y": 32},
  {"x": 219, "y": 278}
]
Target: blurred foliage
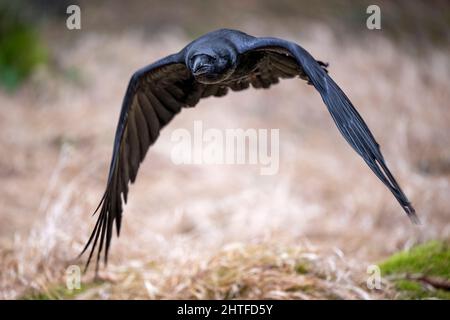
[
  {"x": 416, "y": 24},
  {"x": 20, "y": 47},
  {"x": 431, "y": 259}
]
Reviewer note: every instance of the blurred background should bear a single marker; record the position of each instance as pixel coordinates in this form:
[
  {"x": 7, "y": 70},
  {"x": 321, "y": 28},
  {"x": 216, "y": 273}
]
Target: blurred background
[{"x": 214, "y": 231}]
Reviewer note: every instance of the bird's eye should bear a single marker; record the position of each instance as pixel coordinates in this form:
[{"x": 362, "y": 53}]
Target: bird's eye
[
  {"x": 211, "y": 59},
  {"x": 204, "y": 57}
]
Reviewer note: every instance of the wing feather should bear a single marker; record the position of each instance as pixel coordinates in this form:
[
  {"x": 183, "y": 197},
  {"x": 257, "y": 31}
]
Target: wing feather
[
  {"x": 346, "y": 117},
  {"x": 142, "y": 116},
  {"x": 150, "y": 115}
]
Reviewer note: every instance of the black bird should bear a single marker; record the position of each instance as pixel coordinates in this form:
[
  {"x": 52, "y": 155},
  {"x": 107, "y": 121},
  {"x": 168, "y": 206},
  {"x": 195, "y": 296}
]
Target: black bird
[{"x": 210, "y": 66}]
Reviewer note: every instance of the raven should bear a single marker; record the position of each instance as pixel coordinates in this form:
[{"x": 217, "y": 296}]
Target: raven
[{"x": 210, "y": 66}]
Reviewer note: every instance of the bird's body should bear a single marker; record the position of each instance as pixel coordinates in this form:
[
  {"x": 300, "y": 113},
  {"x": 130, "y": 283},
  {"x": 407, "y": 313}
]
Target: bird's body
[{"x": 212, "y": 65}]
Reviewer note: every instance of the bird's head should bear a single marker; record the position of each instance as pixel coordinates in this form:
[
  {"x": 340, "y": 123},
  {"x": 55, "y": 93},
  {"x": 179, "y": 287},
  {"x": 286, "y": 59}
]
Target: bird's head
[{"x": 212, "y": 66}]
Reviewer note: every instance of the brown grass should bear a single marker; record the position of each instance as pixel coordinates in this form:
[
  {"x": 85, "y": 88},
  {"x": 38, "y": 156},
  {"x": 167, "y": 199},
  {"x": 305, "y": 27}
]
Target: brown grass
[{"x": 242, "y": 271}]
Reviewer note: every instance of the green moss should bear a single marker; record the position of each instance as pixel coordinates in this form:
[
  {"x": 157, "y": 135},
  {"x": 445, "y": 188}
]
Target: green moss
[
  {"x": 429, "y": 259},
  {"x": 302, "y": 268},
  {"x": 407, "y": 285},
  {"x": 409, "y": 289}
]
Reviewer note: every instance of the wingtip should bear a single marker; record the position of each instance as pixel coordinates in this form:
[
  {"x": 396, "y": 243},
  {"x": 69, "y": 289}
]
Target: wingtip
[{"x": 411, "y": 212}]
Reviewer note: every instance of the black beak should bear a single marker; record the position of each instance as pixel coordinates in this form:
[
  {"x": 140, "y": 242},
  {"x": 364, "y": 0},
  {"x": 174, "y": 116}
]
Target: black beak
[{"x": 200, "y": 66}]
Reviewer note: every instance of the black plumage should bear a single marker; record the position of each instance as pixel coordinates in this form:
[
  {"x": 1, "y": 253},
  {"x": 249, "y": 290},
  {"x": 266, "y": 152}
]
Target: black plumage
[{"x": 212, "y": 65}]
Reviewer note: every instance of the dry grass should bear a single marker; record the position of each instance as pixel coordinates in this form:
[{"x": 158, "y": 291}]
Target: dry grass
[
  {"x": 242, "y": 271},
  {"x": 223, "y": 231}
]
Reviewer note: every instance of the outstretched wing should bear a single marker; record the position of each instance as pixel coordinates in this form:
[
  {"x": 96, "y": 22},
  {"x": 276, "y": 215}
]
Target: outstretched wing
[
  {"x": 347, "y": 119},
  {"x": 150, "y": 102},
  {"x": 155, "y": 94}
]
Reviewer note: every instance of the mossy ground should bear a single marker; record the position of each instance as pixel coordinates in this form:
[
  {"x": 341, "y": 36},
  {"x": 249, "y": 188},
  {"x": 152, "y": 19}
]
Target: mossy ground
[
  {"x": 260, "y": 272},
  {"x": 431, "y": 259}
]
